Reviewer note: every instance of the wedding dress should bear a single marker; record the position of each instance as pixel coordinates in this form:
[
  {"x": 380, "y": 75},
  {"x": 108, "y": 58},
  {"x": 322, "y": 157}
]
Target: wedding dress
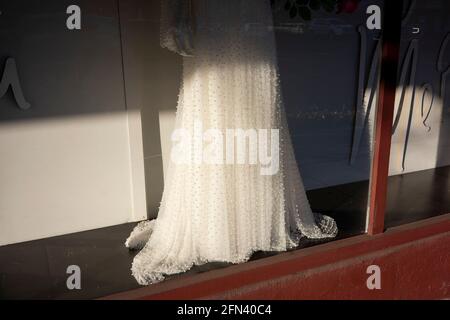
[{"x": 225, "y": 212}]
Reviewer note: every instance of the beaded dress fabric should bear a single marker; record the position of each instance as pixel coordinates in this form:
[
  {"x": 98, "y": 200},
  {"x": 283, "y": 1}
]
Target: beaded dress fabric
[{"x": 225, "y": 211}]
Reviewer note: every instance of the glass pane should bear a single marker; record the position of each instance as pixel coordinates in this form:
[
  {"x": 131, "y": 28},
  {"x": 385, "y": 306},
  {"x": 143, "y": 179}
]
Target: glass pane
[
  {"x": 100, "y": 91},
  {"x": 329, "y": 75},
  {"x": 419, "y": 183}
]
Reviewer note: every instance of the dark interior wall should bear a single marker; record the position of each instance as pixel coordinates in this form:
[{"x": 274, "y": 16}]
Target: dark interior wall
[{"x": 62, "y": 72}]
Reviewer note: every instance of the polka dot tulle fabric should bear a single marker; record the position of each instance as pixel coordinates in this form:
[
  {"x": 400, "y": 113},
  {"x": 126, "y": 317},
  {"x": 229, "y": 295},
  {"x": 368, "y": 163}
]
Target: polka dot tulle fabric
[{"x": 225, "y": 212}]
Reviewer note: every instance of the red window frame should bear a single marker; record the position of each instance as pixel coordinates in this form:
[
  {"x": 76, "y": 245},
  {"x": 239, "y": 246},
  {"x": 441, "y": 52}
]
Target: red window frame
[{"x": 384, "y": 115}]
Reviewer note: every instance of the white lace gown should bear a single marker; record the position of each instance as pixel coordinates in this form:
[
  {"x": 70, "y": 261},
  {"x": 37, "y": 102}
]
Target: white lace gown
[{"x": 225, "y": 212}]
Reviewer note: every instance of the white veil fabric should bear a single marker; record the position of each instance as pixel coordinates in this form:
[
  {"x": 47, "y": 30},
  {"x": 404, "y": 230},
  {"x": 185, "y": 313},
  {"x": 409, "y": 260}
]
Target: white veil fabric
[{"x": 225, "y": 212}]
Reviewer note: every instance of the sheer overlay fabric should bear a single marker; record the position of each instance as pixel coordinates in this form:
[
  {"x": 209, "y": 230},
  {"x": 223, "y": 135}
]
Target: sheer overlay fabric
[{"x": 225, "y": 212}]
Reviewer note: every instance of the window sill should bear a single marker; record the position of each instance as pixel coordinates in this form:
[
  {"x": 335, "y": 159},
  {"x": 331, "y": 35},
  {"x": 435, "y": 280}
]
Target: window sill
[{"x": 359, "y": 251}]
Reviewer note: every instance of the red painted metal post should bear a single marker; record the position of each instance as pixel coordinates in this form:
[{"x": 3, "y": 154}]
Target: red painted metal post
[{"x": 384, "y": 115}]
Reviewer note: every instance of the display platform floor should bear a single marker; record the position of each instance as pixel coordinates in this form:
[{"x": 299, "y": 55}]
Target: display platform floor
[{"x": 37, "y": 269}]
